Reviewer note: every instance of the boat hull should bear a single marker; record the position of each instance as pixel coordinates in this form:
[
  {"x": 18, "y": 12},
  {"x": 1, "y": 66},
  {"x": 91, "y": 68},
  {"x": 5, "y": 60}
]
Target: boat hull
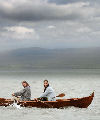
[{"x": 60, "y": 103}]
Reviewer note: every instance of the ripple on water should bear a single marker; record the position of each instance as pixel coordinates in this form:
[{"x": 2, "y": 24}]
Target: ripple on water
[{"x": 73, "y": 84}]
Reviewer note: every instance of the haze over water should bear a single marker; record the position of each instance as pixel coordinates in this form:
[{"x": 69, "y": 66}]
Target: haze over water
[
  {"x": 58, "y": 40},
  {"x": 73, "y": 82}
]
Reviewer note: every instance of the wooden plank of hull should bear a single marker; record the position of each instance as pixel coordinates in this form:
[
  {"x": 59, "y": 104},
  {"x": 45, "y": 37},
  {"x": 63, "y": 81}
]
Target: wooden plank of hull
[{"x": 60, "y": 103}]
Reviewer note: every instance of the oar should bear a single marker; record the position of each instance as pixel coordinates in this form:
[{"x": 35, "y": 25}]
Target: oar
[{"x": 61, "y": 95}]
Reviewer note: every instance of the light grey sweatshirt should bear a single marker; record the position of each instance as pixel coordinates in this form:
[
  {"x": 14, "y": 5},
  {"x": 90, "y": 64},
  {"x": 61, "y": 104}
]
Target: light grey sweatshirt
[
  {"x": 49, "y": 93},
  {"x": 24, "y": 93}
]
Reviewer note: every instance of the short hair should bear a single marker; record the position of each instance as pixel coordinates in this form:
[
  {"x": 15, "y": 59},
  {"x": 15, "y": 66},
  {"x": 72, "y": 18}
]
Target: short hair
[{"x": 46, "y": 81}]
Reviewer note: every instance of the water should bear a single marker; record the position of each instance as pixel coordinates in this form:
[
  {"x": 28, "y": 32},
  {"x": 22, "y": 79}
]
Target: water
[{"x": 74, "y": 83}]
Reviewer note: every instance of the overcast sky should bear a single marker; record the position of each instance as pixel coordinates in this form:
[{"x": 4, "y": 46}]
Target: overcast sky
[{"x": 49, "y": 23}]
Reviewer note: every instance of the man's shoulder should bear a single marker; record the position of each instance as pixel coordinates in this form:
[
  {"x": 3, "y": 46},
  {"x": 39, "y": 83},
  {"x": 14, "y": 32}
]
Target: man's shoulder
[
  {"x": 49, "y": 88},
  {"x": 26, "y": 88}
]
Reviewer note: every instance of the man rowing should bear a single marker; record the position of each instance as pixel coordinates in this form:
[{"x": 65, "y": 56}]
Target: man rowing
[
  {"x": 24, "y": 94},
  {"x": 48, "y": 94}
]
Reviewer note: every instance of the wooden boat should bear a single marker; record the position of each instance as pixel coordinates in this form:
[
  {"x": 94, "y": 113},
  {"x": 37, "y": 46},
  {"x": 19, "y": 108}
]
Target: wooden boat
[{"x": 59, "y": 103}]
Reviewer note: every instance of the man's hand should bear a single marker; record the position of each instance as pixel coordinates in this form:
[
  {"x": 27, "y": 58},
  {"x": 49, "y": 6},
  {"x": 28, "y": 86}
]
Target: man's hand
[
  {"x": 13, "y": 94},
  {"x": 36, "y": 99}
]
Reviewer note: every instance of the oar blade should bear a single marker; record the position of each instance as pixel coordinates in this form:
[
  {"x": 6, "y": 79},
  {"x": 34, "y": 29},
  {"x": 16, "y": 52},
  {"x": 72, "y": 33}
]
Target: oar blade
[{"x": 61, "y": 95}]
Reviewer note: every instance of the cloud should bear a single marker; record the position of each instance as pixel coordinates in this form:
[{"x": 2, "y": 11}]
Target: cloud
[
  {"x": 42, "y": 10},
  {"x": 84, "y": 30},
  {"x": 20, "y": 29},
  {"x": 73, "y": 1},
  {"x": 19, "y": 33},
  {"x": 49, "y": 23},
  {"x": 51, "y": 27}
]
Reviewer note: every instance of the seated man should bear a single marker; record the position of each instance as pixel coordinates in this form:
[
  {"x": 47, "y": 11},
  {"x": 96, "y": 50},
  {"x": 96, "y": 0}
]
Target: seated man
[
  {"x": 24, "y": 94},
  {"x": 48, "y": 94}
]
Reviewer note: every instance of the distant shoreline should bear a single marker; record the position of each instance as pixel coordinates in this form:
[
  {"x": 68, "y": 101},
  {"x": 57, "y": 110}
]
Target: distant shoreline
[{"x": 51, "y": 70}]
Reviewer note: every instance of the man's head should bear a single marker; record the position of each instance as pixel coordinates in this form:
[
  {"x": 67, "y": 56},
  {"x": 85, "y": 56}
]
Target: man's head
[
  {"x": 46, "y": 83},
  {"x": 25, "y": 84}
]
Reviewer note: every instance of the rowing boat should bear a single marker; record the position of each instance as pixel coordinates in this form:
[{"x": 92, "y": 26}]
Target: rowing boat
[{"x": 59, "y": 103}]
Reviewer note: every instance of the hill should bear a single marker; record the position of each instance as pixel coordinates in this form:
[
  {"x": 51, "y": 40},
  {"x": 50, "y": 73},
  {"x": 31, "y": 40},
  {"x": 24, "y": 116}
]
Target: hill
[{"x": 40, "y": 58}]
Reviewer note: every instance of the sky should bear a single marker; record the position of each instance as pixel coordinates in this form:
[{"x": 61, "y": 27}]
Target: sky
[{"x": 49, "y": 24}]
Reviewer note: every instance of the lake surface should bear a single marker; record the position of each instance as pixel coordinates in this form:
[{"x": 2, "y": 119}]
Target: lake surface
[{"x": 74, "y": 83}]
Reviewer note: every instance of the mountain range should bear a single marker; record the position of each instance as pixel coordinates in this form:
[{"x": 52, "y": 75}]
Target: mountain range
[{"x": 41, "y": 58}]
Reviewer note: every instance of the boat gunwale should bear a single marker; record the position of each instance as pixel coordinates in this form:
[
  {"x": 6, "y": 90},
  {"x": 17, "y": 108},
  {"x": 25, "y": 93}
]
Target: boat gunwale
[{"x": 58, "y": 100}]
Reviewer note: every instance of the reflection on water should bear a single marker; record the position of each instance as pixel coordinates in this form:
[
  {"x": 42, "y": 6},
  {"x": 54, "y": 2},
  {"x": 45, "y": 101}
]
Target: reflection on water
[{"x": 74, "y": 83}]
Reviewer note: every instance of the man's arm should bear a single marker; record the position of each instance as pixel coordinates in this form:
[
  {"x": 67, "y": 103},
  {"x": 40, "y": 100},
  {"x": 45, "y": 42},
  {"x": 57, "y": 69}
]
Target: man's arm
[
  {"x": 19, "y": 93},
  {"x": 45, "y": 93}
]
